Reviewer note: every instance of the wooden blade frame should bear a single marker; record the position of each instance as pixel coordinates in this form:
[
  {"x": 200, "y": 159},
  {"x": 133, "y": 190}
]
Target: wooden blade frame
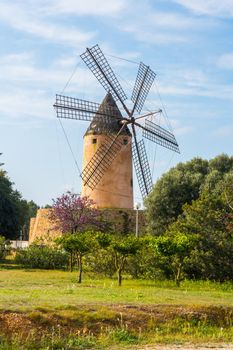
[
  {"x": 159, "y": 135},
  {"x": 102, "y": 160},
  {"x": 98, "y": 64},
  {"x": 144, "y": 80},
  {"x": 73, "y": 108},
  {"x": 141, "y": 166}
]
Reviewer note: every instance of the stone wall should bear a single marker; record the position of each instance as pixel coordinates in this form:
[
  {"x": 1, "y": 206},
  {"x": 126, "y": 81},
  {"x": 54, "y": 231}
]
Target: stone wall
[
  {"x": 122, "y": 221},
  {"x": 41, "y": 228}
]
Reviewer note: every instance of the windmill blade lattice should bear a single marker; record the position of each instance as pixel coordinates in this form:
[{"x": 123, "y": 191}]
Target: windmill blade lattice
[
  {"x": 159, "y": 135},
  {"x": 98, "y": 64},
  {"x": 144, "y": 80},
  {"x": 142, "y": 168},
  {"x": 74, "y": 108},
  {"x": 101, "y": 161}
]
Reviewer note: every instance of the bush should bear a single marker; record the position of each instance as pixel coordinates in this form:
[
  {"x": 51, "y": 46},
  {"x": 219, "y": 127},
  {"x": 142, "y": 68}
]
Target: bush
[
  {"x": 100, "y": 262},
  {"x": 42, "y": 257},
  {"x": 4, "y": 247}
]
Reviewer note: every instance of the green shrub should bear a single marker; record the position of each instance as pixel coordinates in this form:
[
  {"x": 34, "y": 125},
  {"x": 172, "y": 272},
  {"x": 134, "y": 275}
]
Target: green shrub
[
  {"x": 42, "y": 257},
  {"x": 100, "y": 262},
  {"x": 4, "y": 247}
]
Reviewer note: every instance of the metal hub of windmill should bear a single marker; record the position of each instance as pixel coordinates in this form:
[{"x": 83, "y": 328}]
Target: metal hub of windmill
[{"x": 107, "y": 114}]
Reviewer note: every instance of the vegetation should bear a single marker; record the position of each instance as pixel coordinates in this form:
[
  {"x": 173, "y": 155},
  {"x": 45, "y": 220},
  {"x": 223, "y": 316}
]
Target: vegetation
[
  {"x": 15, "y": 212},
  {"x": 123, "y": 247},
  {"x": 176, "y": 248},
  {"x": 181, "y": 185},
  {"x": 4, "y": 247},
  {"x": 43, "y": 257},
  {"x": 177, "y": 278},
  {"x": 77, "y": 245},
  {"x": 48, "y": 307},
  {"x": 72, "y": 213}
]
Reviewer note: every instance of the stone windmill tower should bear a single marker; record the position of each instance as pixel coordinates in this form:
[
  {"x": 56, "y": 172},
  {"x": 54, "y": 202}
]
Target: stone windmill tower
[
  {"x": 115, "y": 189},
  {"x": 109, "y": 146}
]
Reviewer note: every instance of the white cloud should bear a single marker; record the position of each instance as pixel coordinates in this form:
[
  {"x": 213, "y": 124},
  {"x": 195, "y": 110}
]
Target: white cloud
[
  {"x": 88, "y": 8},
  {"x": 179, "y": 128},
  {"x": 28, "y": 21},
  {"x": 30, "y": 90},
  {"x": 24, "y": 104},
  {"x": 193, "y": 83},
  {"x": 219, "y": 91},
  {"x": 216, "y": 8},
  {"x": 151, "y": 35},
  {"x": 160, "y": 27},
  {"x": 226, "y": 61},
  {"x": 173, "y": 20}
]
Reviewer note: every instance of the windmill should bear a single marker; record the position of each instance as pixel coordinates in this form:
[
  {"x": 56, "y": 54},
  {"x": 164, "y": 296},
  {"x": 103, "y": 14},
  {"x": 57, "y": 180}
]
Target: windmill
[{"x": 111, "y": 141}]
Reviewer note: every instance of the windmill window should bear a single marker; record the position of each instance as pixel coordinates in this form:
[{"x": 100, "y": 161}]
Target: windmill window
[
  {"x": 94, "y": 140},
  {"x": 125, "y": 142}
]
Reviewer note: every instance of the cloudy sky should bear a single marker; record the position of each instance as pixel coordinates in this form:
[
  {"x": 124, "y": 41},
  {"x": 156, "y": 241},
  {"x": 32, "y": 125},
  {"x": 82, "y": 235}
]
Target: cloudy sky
[{"x": 189, "y": 44}]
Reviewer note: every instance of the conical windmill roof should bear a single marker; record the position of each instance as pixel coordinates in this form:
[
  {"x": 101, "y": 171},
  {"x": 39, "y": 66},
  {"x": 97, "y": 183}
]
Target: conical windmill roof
[{"x": 107, "y": 125}]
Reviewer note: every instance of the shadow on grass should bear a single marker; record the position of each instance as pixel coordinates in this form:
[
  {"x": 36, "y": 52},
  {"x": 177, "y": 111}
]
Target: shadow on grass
[{"x": 9, "y": 265}]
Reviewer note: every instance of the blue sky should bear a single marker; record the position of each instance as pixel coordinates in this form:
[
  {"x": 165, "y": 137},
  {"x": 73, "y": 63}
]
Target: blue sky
[{"x": 189, "y": 44}]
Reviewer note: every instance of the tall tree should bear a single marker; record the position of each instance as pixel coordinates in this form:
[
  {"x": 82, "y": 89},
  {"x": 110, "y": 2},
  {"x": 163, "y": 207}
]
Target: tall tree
[
  {"x": 175, "y": 188},
  {"x": 9, "y": 208},
  {"x": 210, "y": 218},
  {"x": 15, "y": 212},
  {"x": 183, "y": 184}
]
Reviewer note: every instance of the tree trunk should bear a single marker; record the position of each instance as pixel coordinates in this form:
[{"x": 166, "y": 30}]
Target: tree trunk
[
  {"x": 80, "y": 269},
  {"x": 178, "y": 275},
  {"x": 119, "y": 277},
  {"x": 71, "y": 262}
]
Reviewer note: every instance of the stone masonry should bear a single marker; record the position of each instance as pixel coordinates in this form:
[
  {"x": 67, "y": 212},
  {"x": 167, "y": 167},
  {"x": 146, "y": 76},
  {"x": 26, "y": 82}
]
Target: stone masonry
[{"x": 122, "y": 221}]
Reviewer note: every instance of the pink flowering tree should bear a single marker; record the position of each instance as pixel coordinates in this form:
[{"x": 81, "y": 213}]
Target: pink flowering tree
[{"x": 71, "y": 213}]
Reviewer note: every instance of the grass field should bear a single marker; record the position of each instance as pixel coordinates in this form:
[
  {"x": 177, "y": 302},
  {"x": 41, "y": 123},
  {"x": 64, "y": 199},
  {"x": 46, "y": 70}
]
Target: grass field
[{"x": 49, "y": 310}]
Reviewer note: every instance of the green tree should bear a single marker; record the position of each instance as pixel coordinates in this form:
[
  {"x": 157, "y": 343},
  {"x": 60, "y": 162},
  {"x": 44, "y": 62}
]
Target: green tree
[
  {"x": 15, "y": 212},
  {"x": 78, "y": 245},
  {"x": 222, "y": 163},
  {"x": 183, "y": 184},
  {"x": 175, "y": 188},
  {"x": 123, "y": 248},
  {"x": 4, "y": 247},
  {"x": 211, "y": 220},
  {"x": 9, "y": 208},
  {"x": 176, "y": 248}
]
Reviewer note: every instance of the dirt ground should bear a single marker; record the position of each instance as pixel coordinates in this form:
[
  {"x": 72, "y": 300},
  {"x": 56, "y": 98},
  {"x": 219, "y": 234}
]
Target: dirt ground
[{"x": 187, "y": 347}]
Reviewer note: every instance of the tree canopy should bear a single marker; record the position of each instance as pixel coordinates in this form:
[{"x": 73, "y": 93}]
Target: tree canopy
[
  {"x": 15, "y": 212},
  {"x": 71, "y": 213},
  {"x": 182, "y": 185}
]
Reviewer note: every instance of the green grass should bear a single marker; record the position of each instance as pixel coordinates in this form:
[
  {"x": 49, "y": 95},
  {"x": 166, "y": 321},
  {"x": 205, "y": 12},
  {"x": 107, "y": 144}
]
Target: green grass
[
  {"x": 98, "y": 313},
  {"x": 53, "y": 289}
]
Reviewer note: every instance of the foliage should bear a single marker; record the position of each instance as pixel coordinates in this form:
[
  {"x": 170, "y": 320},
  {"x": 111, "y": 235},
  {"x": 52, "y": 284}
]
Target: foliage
[
  {"x": 9, "y": 208},
  {"x": 210, "y": 219},
  {"x": 71, "y": 213},
  {"x": 124, "y": 247},
  {"x": 78, "y": 245},
  {"x": 176, "y": 248},
  {"x": 101, "y": 259},
  {"x": 4, "y": 247},
  {"x": 178, "y": 186},
  {"x": 41, "y": 257},
  {"x": 182, "y": 185},
  {"x": 15, "y": 212}
]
